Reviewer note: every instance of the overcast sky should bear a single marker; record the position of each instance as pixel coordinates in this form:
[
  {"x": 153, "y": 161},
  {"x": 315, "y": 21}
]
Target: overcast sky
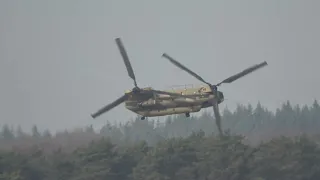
[{"x": 59, "y": 61}]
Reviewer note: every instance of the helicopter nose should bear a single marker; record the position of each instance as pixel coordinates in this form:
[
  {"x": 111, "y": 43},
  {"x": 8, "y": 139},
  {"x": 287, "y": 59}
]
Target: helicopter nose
[{"x": 220, "y": 97}]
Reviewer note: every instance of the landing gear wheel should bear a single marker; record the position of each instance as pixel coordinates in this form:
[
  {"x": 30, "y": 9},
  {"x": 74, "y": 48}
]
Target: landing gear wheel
[
  {"x": 187, "y": 114},
  {"x": 143, "y": 118}
]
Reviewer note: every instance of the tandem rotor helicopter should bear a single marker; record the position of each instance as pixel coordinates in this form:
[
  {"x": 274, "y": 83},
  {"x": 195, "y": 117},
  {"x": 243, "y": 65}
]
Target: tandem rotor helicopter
[{"x": 149, "y": 102}]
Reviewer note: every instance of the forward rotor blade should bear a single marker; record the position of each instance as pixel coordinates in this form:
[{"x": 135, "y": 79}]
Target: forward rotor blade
[
  {"x": 243, "y": 73},
  {"x": 126, "y": 60},
  {"x": 184, "y": 68},
  {"x": 109, "y": 106},
  {"x": 217, "y": 116}
]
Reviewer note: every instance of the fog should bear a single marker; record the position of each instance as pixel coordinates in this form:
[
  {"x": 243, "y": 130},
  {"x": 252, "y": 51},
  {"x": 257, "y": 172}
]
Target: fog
[{"x": 59, "y": 62}]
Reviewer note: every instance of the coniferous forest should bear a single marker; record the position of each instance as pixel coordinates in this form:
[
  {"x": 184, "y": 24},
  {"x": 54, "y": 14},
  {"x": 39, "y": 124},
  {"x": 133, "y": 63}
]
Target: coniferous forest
[{"x": 258, "y": 145}]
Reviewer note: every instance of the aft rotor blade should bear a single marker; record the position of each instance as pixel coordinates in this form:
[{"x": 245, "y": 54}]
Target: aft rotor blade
[
  {"x": 126, "y": 60},
  {"x": 178, "y": 64},
  {"x": 217, "y": 116},
  {"x": 109, "y": 106},
  {"x": 243, "y": 73}
]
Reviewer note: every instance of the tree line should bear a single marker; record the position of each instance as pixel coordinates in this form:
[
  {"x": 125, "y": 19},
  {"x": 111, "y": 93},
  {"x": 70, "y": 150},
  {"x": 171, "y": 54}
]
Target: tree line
[{"x": 259, "y": 144}]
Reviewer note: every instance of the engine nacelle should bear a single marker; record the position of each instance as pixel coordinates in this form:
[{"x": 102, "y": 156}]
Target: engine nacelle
[
  {"x": 148, "y": 103},
  {"x": 170, "y": 111},
  {"x": 184, "y": 100},
  {"x": 164, "y": 96}
]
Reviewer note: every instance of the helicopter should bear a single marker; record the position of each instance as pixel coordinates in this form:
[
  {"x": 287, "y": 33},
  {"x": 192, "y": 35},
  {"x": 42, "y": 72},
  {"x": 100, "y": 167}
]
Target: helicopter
[{"x": 148, "y": 102}]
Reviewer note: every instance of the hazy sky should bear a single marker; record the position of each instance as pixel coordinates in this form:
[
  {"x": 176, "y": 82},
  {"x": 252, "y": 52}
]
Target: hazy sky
[{"x": 59, "y": 61}]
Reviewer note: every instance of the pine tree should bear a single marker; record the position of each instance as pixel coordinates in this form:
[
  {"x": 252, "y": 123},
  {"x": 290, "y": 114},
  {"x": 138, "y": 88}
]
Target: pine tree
[
  {"x": 6, "y": 133},
  {"x": 35, "y": 132}
]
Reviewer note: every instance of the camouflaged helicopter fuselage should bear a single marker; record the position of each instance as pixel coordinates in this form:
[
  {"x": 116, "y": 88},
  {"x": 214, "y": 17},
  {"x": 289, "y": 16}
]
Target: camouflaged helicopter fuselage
[{"x": 193, "y": 100}]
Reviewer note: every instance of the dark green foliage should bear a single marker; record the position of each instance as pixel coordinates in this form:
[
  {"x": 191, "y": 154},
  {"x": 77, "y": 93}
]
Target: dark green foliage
[
  {"x": 196, "y": 157},
  {"x": 258, "y": 145}
]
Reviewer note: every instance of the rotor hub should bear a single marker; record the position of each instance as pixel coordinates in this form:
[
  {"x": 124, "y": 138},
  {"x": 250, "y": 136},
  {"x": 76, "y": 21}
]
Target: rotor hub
[
  {"x": 214, "y": 88},
  {"x": 135, "y": 90}
]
